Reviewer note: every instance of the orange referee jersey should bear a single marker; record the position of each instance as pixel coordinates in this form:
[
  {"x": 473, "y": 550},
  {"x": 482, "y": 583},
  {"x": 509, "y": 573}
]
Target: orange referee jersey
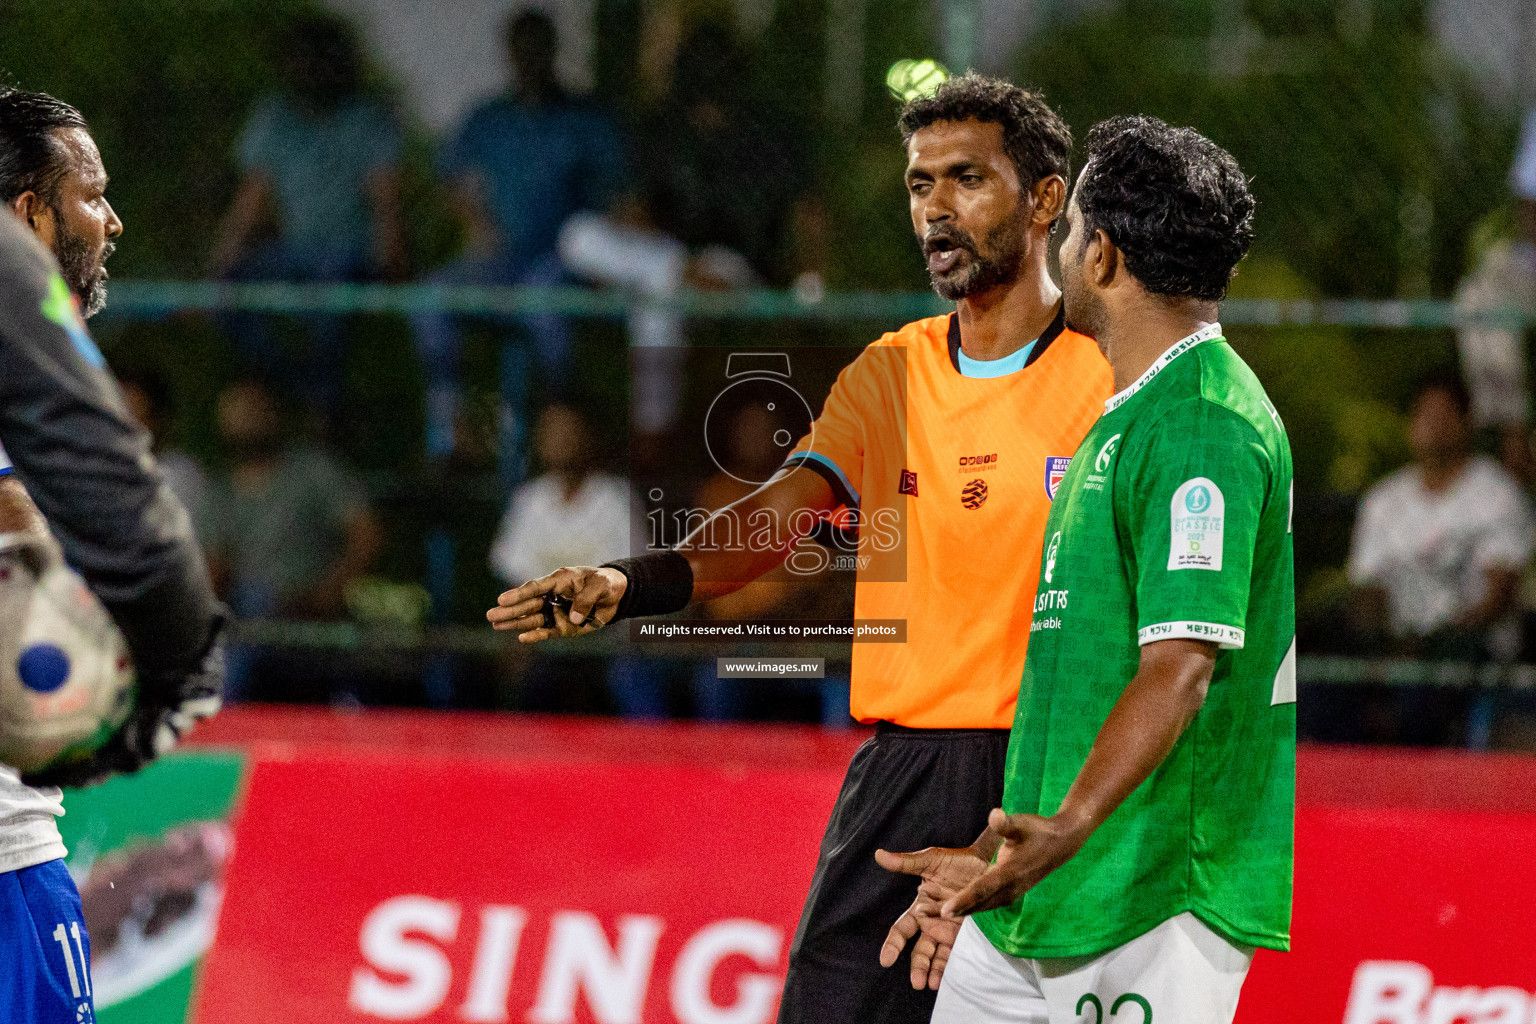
[{"x": 966, "y": 466}]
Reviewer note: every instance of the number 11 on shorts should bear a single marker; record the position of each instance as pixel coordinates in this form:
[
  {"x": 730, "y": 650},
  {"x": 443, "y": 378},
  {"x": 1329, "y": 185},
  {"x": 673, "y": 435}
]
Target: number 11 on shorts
[{"x": 75, "y": 977}]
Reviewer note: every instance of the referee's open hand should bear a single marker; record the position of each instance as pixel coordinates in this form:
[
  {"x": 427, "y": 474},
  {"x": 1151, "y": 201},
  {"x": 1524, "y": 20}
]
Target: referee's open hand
[
  {"x": 944, "y": 872},
  {"x": 568, "y": 602}
]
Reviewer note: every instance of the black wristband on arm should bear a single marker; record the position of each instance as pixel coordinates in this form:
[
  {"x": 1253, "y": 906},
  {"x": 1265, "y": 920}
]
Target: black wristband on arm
[{"x": 659, "y": 584}]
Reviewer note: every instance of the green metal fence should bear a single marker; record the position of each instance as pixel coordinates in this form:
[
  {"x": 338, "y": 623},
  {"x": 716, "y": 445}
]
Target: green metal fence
[{"x": 150, "y": 298}]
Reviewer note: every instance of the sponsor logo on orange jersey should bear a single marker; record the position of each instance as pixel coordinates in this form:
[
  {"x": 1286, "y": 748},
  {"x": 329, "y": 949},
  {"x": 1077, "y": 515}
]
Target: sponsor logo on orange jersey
[{"x": 977, "y": 461}]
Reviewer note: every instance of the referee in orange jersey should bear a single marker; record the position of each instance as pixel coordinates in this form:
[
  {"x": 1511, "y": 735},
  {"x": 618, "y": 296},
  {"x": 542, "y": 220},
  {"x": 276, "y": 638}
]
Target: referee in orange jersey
[{"x": 960, "y": 425}]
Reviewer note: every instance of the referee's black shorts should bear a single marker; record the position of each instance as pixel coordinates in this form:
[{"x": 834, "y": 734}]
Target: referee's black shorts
[{"x": 906, "y": 789}]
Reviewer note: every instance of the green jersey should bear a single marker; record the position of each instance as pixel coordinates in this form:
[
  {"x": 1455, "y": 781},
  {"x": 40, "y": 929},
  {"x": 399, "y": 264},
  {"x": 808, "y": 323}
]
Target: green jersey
[{"x": 1173, "y": 521}]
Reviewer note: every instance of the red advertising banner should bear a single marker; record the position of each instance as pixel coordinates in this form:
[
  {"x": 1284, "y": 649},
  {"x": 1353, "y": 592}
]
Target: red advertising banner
[
  {"x": 389, "y": 869},
  {"x": 1405, "y": 917},
  {"x": 369, "y": 888}
]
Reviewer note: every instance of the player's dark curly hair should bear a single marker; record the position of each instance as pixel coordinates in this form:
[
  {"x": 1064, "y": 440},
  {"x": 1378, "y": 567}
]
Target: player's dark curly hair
[
  {"x": 30, "y": 159},
  {"x": 1175, "y": 203},
  {"x": 1035, "y": 137}
]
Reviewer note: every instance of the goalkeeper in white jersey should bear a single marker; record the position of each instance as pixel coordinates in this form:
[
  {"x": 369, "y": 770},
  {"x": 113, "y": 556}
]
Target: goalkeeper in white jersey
[{"x": 98, "y": 497}]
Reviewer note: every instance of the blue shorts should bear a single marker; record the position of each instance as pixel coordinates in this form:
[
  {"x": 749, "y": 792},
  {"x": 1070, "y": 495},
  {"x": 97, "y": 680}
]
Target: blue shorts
[{"x": 45, "y": 955}]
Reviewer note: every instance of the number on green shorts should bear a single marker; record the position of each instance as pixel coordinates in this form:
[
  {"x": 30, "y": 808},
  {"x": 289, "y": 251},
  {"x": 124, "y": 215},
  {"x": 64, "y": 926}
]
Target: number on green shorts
[{"x": 1132, "y": 997}]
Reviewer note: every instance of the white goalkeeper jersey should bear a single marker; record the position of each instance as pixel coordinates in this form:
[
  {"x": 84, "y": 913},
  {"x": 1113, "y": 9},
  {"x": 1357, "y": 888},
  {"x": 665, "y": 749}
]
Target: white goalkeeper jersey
[{"x": 29, "y": 834}]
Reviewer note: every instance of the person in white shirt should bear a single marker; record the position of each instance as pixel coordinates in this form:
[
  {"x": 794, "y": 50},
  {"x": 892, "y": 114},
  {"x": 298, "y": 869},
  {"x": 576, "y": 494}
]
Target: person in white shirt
[
  {"x": 571, "y": 515},
  {"x": 576, "y": 515},
  {"x": 1440, "y": 545}
]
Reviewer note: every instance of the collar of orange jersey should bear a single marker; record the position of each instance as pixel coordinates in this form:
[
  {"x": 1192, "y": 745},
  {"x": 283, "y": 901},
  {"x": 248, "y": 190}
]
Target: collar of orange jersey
[
  {"x": 1210, "y": 332},
  {"x": 1034, "y": 349}
]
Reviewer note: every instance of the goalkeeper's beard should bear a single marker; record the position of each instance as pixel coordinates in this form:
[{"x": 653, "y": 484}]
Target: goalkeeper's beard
[{"x": 84, "y": 271}]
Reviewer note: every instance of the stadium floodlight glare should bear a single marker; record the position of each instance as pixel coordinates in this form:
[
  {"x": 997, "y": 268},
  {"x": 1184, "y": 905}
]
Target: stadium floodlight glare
[{"x": 913, "y": 79}]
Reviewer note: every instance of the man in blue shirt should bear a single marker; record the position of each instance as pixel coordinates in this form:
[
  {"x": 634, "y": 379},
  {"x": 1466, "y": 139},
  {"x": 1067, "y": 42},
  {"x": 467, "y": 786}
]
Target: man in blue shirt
[
  {"x": 517, "y": 167},
  {"x": 320, "y": 163}
]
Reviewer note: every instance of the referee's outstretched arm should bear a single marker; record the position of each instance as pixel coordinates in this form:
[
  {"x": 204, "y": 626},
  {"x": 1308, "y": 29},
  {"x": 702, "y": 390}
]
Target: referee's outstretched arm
[{"x": 582, "y": 598}]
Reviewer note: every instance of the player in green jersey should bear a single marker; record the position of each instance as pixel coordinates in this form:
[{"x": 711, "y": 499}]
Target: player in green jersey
[{"x": 1145, "y": 843}]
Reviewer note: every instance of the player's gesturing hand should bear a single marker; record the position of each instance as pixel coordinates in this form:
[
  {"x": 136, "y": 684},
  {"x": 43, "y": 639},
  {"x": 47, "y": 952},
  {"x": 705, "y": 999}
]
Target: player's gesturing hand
[
  {"x": 944, "y": 873},
  {"x": 588, "y": 600},
  {"x": 1032, "y": 848}
]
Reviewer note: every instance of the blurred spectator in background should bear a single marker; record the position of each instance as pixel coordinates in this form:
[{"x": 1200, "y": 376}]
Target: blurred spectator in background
[
  {"x": 1494, "y": 355},
  {"x": 1439, "y": 545},
  {"x": 288, "y": 529},
  {"x": 149, "y": 400},
  {"x": 517, "y": 167},
  {"x": 780, "y": 593},
  {"x": 724, "y": 174},
  {"x": 320, "y": 170},
  {"x": 724, "y": 201},
  {"x": 573, "y": 514},
  {"x": 1438, "y": 550}
]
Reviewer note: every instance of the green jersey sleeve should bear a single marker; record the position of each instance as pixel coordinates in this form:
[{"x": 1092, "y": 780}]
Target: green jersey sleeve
[{"x": 1200, "y": 479}]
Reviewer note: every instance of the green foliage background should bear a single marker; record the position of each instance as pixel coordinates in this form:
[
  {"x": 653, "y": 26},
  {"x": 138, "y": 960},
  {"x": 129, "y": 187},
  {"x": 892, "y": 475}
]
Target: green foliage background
[
  {"x": 165, "y": 86},
  {"x": 1371, "y": 155}
]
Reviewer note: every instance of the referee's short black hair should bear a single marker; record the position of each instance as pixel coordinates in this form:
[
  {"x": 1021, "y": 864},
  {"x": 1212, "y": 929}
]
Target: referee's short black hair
[
  {"x": 1035, "y": 137},
  {"x": 30, "y": 158},
  {"x": 1175, "y": 203}
]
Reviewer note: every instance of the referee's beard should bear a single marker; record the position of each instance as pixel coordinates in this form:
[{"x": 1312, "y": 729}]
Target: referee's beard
[{"x": 979, "y": 268}]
